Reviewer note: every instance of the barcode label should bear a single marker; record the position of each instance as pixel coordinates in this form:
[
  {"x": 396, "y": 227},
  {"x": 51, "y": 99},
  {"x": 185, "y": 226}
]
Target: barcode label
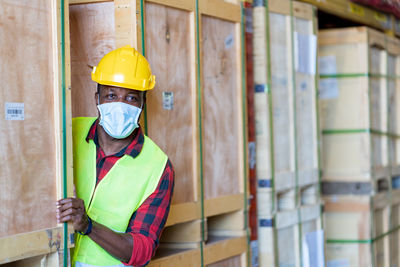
[
  {"x": 168, "y": 100},
  {"x": 15, "y": 111}
]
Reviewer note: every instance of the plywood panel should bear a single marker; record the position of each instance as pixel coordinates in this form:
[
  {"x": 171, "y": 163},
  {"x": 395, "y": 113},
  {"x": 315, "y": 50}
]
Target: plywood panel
[
  {"x": 221, "y": 108},
  {"x": 282, "y": 92},
  {"x": 28, "y": 150},
  {"x": 306, "y": 115},
  {"x": 170, "y": 52},
  {"x": 92, "y": 36}
]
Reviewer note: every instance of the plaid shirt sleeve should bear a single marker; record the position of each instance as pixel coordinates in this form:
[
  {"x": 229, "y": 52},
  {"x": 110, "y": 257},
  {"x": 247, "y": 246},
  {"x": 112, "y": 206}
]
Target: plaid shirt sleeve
[{"x": 147, "y": 222}]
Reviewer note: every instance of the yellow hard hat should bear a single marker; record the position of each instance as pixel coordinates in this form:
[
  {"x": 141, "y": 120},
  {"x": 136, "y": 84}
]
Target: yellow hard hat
[{"x": 124, "y": 67}]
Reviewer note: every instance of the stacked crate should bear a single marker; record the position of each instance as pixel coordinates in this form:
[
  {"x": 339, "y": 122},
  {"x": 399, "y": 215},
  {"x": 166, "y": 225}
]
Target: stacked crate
[
  {"x": 286, "y": 133},
  {"x": 35, "y": 129},
  {"x": 196, "y": 113},
  {"x": 359, "y": 113}
]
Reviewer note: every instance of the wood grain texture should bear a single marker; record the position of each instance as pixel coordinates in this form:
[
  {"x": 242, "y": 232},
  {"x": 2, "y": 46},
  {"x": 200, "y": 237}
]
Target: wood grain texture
[
  {"x": 170, "y": 52},
  {"x": 92, "y": 36},
  {"x": 221, "y": 108},
  {"x": 28, "y": 175},
  {"x": 231, "y": 262}
]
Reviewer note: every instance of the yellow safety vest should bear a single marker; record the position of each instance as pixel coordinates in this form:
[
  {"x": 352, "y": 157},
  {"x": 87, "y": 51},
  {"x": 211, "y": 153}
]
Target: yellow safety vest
[{"x": 118, "y": 195}]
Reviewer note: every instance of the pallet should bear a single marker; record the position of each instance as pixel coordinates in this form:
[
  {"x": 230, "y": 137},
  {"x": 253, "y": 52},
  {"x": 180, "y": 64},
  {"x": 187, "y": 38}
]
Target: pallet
[{"x": 30, "y": 187}]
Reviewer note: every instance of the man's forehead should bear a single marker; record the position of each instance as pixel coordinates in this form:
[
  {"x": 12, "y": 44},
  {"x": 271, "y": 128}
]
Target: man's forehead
[{"x": 115, "y": 88}]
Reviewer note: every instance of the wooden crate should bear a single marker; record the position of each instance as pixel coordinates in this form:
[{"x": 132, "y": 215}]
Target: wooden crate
[
  {"x": 353, "y": 102},
  {"x": 357, "y": 229},
  {"x": 355, "y": 52},
  {"x": 222, "y": 107},
  {"x": 35, "y": 128}
]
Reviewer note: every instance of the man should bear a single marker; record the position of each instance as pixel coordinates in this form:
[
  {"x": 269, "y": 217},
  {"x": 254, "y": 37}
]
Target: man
[{"x": 123, "y": 180}]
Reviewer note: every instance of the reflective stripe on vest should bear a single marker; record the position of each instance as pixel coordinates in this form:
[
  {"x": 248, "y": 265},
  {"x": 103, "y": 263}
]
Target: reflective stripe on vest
[{"x": 118, "y": 195}]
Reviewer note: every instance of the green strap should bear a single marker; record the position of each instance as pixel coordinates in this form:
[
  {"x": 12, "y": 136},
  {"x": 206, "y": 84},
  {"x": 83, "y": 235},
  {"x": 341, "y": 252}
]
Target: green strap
[
  {"x": 271, "y": 125},
  {"x": 244, "y": 116},
  {"x": 352, "y": 75},
  {"x": 362, "y": 241},
  {"x": 64, "y": 127},
  {"x": 199, "y": 102},
  {"x": 353, "y": 131},
  {"x": 144, "y": 54}
]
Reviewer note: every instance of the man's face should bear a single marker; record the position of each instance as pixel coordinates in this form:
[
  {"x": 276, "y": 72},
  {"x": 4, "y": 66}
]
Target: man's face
[{"x": 110, "y": 94}]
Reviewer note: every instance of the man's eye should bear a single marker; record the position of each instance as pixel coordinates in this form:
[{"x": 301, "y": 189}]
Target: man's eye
[
  {"x": 132, "y": 98},
  {"x": 110, "y": 96}
]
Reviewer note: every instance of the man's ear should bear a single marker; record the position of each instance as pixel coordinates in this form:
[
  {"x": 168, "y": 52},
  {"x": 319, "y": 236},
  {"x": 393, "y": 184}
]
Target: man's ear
[{"x": 97, "y": 98}]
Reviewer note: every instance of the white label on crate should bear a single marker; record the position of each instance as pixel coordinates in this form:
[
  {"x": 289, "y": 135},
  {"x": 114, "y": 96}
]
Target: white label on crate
[
  {"x": 15, "y": 111},
  {"x": 328, "y": 88},
  {"x": 327, "y": 65},
  {"x": 168, "y": 100},
  {"x": 229, "y": 41},
  {"x": 338, "y": 263},
  {"x": 313, "y": 249},
  {"x": 305, "y": 53}
]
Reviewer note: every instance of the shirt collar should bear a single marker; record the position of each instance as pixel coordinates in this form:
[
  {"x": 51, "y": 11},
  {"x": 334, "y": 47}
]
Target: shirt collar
[{"x": 133, "y": 149}]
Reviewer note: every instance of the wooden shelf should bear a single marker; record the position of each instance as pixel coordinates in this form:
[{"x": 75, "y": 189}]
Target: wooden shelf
[{"x": 357, "y": 13}]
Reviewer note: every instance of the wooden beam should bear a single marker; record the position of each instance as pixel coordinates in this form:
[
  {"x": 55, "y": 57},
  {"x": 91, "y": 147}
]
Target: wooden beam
[
  {"x": 223, "y": 204},
  {"x": 125, "y": 23},
  {"x": 224, "y": 248},
  {"x": 79, "y": 2},
  {"x": 183, "y": 212},
  {"x": 220, "y": 9},
  {"x": 188, "y": 5}
]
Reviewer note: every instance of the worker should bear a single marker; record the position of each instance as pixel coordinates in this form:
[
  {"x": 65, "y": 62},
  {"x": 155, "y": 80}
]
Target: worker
[{"x": 123, "y": 180}]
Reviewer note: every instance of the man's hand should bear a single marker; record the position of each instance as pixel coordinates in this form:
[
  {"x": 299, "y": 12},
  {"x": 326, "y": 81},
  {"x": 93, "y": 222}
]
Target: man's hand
[{"x": 72, "y": 210}]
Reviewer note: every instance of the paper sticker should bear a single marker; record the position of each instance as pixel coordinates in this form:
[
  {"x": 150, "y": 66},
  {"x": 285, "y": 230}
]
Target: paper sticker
[
  {"x": 229, "y": 41},
  {"x": 305, "y": 53},
  {"x": 313, "y": 249},
  {"x": 168, "y": 100},
  {"x": 15, "y": 111},
  {"x": 252, "y": 155},
  {"x": 328, "y": 88},
  {"x": 327, "y": 65}
]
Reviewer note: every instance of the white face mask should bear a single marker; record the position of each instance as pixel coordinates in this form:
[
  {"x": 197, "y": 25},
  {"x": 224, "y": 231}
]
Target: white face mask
[{"x": 119, "y": 119}]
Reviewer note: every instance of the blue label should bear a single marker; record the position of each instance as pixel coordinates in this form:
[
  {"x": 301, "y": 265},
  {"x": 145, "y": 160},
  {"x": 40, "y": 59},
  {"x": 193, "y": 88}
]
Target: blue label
[
  {"x": 266, "y": 223},
  {"x": 259, "y": 88},
  {"x": 264, "y": 183},
  {"x": 258, "y": 3}
]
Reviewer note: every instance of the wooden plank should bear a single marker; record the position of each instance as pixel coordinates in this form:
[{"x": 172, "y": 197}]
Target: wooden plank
[
  {"x": 125, "y": 23},
  {"x": 92, "y": 36},
  {"x": 175, "y": 257},
  {"x": 48, "y": 260},
  {"x": 189, "y": 232},
  {"x": 343, "y": 36},
  {"x": 169, "y": 42},
  {"x": 236, "y": 261},
  {"x": 279, "y": 7},
  {"x": 228, "y": 224},
  {"x": 282, "y": 98},
  {"x": 183, "y": 212},
  {"x": 305, "y": 93},
  {"x": 222, "y": 108},
  {"x": 218, "y": 249},
  {"x": 349, "y": 254},
  {"x": 288, "y": 250},
  {"x": 79, "y": 2},
  {"x": 303, "y": 10},
  {"x": 16, "y": 247},
  {"x": 223, "y": 204},
  {"x": 220, "y": 9},
  {"x": 180, "y": 4}
]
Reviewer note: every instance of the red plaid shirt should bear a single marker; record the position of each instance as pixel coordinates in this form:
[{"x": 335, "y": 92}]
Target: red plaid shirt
[{"x": 149, "y": 219}]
